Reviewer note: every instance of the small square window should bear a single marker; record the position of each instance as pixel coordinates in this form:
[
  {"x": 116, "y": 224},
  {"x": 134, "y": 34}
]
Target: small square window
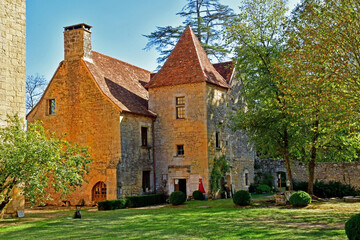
[
  {"x": 51, "y": 105},
  {"x": 180, "y": 101},
  {"x": 180, "y": 150},
  {"x": 180, "y": 112}
]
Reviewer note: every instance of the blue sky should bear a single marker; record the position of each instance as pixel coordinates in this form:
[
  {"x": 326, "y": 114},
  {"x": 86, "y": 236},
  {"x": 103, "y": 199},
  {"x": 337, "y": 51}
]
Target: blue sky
[{"x": 118, "y": 26}]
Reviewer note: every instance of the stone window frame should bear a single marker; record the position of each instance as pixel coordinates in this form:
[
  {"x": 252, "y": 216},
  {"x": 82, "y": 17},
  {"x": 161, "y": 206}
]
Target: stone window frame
[
  {"x": 180, "y": 112},
  {"x": 180, "y": 150},
  {"x": 149, "y": 134},
  {"x": 50, "y": 107},
  {"x": 144, "y": 137},
  {"x": 246, "y": 178}
]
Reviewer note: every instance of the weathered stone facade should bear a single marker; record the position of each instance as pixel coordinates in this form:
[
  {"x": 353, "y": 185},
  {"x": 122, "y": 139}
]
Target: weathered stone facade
[
  {"x": 12, "y": 74},
  {"x": 345, "y": 172}
]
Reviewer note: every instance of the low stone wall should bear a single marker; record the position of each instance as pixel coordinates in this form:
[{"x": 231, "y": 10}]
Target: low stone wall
[{"x": 345, "y": 172}]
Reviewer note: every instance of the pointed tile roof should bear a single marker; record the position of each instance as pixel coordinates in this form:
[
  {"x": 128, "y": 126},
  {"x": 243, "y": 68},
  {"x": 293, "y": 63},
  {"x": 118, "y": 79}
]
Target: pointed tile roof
[{"x": 187, "y": 63}]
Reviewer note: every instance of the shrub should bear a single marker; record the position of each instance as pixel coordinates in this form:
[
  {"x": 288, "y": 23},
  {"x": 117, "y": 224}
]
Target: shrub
[
  {"x": 198, "y": 195},
  {"x": 300, "y": 199},
  {"x": 328, "y": 190},
  {"x": 146, "y": 200},
  {"x": 352, "y": 227},
  {"x": 177, "y": 198},
  {"x": 263, "y": 188},
  {"x": 242, "y": 198},
  {"x": 252, "y": 187},
  {"x": 112, "y": 204}
]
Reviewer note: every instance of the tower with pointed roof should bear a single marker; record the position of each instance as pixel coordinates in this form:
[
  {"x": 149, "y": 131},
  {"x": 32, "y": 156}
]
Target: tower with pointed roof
[{"x": 190, "y": 98}]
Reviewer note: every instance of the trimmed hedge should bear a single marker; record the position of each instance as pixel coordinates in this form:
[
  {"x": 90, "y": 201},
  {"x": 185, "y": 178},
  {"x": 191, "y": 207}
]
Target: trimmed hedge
[
  {"x": 328, "y": 190},
  {"x": 198, "y": 195},
  {"x": 177, "y": 198},
  {"x": 146, "y": 200},
  {"x": 262, "y": 188},
  {"x": 352, "y": 227},
  {"x": 300, "y": 199},
  {"x": 242, "y": 198},
  {"x": 112, "y": 204}
]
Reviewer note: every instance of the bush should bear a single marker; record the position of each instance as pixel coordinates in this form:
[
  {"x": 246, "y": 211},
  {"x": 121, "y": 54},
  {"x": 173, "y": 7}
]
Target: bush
[
  {"x": 300, "y": 199},
  {"x": 112, "y": 204},
  {"x": 177, "y": 198},
  {"x": 198, "y": 195},
  {"x": 328, "y": 190},
  {"x": 252, "y": 187},
  {"x": 242, "y": 198},
  {"x": 263, "y": 188},
  {"x": 146, "y": 200},
  {"x": 352, "y": 227}
]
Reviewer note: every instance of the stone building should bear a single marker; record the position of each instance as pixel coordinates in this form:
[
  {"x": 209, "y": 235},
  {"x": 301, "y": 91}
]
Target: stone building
[
  {"x": 147, "y": 131},
  {"x": 12, "y": 72}
]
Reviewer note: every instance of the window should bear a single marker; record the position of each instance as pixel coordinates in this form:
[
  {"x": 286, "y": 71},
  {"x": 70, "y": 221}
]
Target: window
[
  {"x": 180, "y": 150},
  {"x": 217, "y": 140},
  {"x": 246, "y": 176},
  {"x": 180, "y": 108},
  {"x": 146, "y": 181},
  {"x": 51, "y": 106},
  {"x": 144, "y": 141}
]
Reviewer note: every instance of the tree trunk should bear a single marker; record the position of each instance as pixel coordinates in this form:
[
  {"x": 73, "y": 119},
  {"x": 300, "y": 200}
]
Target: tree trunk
[
  {"x": 313, "y": 158},
  {"x": 287, "y": 159}
]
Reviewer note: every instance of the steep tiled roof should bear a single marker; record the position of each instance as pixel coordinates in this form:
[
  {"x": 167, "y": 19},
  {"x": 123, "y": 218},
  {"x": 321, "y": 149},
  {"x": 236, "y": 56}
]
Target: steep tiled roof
[
  {"x": 187, "y": 63},
  {"x": 225, "y": 69},
  {"x": 121, "y": 82}
]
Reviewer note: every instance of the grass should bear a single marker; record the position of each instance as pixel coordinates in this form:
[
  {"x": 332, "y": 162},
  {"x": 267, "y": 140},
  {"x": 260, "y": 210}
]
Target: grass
[{"x": 189, "y": 221}]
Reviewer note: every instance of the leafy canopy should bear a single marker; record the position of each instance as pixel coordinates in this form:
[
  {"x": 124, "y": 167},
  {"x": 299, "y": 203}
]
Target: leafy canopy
[{"x": 34, "y": 162}]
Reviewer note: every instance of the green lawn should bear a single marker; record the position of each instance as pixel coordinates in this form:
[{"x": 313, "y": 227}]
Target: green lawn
[{"x": 190, "y": 221}]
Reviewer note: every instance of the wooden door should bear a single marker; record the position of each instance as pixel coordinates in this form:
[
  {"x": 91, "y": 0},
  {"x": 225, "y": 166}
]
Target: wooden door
[{"x": 99, "y": 192}]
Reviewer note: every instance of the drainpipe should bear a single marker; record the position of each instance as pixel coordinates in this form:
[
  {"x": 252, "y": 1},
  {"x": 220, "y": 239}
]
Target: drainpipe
[{"x": 153, "y": 148}]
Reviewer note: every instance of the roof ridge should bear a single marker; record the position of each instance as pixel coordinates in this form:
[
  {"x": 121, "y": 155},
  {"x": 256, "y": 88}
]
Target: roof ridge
[
  {"x": 121, "y": 61},
  {"x": 197, "y": 52}
]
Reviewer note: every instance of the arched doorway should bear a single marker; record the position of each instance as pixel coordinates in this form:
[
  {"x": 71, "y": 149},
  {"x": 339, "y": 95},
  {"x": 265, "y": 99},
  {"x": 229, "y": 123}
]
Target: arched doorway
[{"x": 99, "y": 192}]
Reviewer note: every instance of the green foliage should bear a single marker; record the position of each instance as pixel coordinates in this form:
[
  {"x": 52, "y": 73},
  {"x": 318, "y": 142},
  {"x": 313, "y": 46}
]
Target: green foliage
[
  {"x": 242, "y": 198},
  {"x": 300, "y": 199},
  {"x": 265, "y": 178},
  {"x": 198, "y": 195},
  {"x": 112, "y": 204},
  {"x": 32, "y": 160},
  {"x": 262, "y": 188},
  {"x": 146, "y": 200},
  {"x": 328, "y": 190},
  {"x": 177, "y": 198},
  {"x": 219, "y": 170},
  {"x": 352, "y": 227},
  {"x": 206, "y": 17}
]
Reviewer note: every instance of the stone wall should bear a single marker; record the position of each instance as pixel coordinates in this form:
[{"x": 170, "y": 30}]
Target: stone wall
[
  {"x": 345, "y": 172},
  {"x": 135, "y": 158},
  {"x": 190, "y": 132},
  {"x": 12, "y": 74},
  {"x": 12, "y": 58},
  {"x": 82, "y": 111}
]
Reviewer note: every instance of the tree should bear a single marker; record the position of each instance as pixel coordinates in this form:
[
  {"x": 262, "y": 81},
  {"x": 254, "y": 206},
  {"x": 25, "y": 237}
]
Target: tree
[
  {"x": 35, "y": 162},
  {"x": 206, "y": 17},
  {"x": 314, "y": 75},
  {"x": 259, "y": 38},
  {"x": 35, "y": 86}
]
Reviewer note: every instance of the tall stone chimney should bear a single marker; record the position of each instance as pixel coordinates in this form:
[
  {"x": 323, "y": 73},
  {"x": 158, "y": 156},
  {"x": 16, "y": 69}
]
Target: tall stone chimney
[{"x": 77, "y": 41}]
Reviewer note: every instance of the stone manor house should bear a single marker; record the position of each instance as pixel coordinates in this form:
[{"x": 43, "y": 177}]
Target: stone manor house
[{"x": 147, "y": 132}]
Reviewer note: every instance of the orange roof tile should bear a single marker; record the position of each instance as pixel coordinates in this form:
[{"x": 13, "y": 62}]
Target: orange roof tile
[
  {"x": 187, "y": 63},
  {"x": 121, "y": 82},
  {"x": 225, "y": 69}
]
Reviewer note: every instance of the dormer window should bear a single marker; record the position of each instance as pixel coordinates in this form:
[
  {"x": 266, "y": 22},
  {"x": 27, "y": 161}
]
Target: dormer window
[
  {"x": 180, "y": 108},
  {"x": 51, "y": 106}
]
